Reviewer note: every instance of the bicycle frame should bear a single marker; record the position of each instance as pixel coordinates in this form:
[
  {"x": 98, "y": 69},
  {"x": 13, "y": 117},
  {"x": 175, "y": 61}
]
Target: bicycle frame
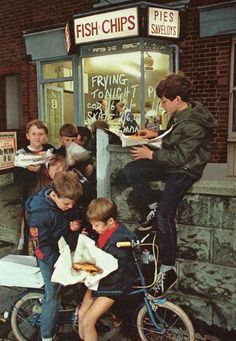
[
  {"x": 150, "y": 314},
  {"x": 144, "y": 291}
]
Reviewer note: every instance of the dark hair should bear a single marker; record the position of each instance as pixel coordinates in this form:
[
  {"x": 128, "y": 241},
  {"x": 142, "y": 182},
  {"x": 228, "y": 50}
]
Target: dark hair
[
  {"x": 66, "y": 184},
  {"x": 174, "y": 85},
  {"x": 84, "y": 132},
  {"x": 101, "y": 209},
  {"x": 69, "y": 130},
  {"x": 99, "y": 124},
  {"x": 38, "y": 123}
]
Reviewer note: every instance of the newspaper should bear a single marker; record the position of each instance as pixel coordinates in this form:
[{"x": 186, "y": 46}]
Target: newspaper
[
  {"x": 86, "y": 251},
  {"x": 20, "y": 271},
  {"x": 27, "y": 159},
  {"x": 134, "y": 140}
]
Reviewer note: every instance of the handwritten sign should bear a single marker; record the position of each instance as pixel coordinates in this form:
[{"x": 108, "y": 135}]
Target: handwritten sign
[
  {"x": 163, "y": 22},
  {"x": 105, "y": 26}
]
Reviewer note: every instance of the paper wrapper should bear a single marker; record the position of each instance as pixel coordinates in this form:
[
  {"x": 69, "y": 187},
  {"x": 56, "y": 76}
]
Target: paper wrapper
[
  {"x": 134, "y": 140},
  {"x": 25, "y": 160},
  {"x": 74, "y": 152},
  {"x": 86, "y": 251}
]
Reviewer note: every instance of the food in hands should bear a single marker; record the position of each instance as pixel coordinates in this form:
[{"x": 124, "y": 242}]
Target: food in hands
[{"x": 89, "y": 267}]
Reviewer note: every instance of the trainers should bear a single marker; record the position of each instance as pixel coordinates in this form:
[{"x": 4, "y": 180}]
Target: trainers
[
  {"x": 165, "y": 282},
  {"x": 148, "y": 222}
]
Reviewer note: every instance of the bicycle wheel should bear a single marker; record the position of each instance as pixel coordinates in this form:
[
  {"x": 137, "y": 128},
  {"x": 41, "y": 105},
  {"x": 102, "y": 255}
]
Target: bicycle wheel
[
  {"x": 26, "y": 315},
  {"x": 173, "y": 322}
]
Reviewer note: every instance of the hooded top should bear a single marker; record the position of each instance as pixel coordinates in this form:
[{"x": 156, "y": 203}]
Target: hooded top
[
  {"x": 47, "y": 223},
  {"x": 122, "y": 279},
  {"x": 187, "y": 148}
]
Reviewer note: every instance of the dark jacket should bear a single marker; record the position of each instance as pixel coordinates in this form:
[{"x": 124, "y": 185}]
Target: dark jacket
[
  {"x": 122, "y": 279},
  {"x": 187, "y": 148},
  {"x": 47, "y": 224}
]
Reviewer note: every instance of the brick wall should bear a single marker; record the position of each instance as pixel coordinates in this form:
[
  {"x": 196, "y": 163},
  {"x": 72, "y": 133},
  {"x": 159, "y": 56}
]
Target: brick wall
[{"x": 205, "y": 60}]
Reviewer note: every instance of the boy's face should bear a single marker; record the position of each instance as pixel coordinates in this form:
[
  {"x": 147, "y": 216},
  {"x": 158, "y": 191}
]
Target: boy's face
[
  {"x": 102, "y": 227},
  {"x": 170, "y": 106},
  {"x": 58, "y": 167},
  {"x": 66, "y": 141},
  {"x": 37, "y": 137},
  {"x": 81, "y": 140},
  {"x": 63, "y": 203}
]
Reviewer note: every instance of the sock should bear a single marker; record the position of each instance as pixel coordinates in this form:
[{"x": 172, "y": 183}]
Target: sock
[
  {"x": 165, "y": 268},
  {"x": 20, "y": 244},
  {"x": 46, "y": 338},
  {"x": 153, "y": 206}
]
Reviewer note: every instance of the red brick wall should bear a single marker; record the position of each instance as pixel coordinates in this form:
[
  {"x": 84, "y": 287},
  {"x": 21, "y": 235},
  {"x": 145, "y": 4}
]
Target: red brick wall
[{"x": 205, "y": 60}]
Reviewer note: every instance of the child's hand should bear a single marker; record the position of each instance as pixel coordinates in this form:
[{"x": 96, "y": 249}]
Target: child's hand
[
  {"x": 141, "y": 152},
  {"x": 147, "y": 133},
  {"x": 75, "y": 225},
  {"x": 85, "y": 231},
  {"x": 34, "y": 168},
  {"x": 88, "y": 170}
]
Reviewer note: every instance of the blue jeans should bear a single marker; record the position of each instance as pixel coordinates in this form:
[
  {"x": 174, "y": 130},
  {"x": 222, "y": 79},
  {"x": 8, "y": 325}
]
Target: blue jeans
[
  {"x": 138, "y": 173},
  {"x": 51, "y": 302}
]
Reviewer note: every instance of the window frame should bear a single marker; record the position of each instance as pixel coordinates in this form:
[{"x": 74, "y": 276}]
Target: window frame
[
  {"x": 140, "y": 44},
  {"x": 232, "y": 91},
  {"x": 42, "y": 82}
]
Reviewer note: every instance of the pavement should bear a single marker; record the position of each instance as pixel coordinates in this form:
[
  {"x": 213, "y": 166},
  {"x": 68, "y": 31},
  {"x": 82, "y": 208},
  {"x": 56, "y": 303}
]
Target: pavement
[{"x": 9, "y": 294}]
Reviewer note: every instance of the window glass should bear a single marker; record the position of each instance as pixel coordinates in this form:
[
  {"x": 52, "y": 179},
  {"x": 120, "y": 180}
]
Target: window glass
[
  {"x": 58, "y": 107},
  {"x": 156, "y": 66},
  {"x": 234, "y": 71},
  {"x": 234, "y": 90},
  {"x": 58, "y": 69},
  {"x": 234, "y": 110},
  {"x": 13, "y": 102},
  {"x": 110, "y": 79}
]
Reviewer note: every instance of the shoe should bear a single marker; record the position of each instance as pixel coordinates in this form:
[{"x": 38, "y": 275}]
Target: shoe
[
  {"x": 148, "y": 222},
  {"x": 166, "y": 280},
  {"x": 102, "y": 328},
  {"x": 21, "y": 243}
]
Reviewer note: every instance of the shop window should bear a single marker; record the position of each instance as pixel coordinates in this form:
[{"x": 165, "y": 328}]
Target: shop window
[
  {"x": 58, "y": 96},
  {"x": 233, "y": 88},
  {"x": 10, "y": 103},
  {"x": 129, "y": 77},
  {"x": 231, "y": 157}
]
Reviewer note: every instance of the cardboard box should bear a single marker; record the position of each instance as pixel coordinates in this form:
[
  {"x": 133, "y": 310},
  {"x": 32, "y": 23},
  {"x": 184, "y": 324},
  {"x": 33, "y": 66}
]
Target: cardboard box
[{"x": 20, "y": 271}]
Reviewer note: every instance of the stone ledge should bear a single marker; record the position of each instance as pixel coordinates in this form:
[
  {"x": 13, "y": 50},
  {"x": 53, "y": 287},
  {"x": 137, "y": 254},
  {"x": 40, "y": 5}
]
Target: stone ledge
[{"x": 214, "y": 181}]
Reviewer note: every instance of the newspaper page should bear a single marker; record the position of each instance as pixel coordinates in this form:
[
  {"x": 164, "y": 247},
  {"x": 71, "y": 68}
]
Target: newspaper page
[
  {"x": 134, "y": 140},
  {"x": 8, "y": 148}
]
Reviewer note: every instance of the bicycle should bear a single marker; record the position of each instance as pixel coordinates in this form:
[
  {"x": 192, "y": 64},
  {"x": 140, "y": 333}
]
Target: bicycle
[{"x": 156, "y": 319}]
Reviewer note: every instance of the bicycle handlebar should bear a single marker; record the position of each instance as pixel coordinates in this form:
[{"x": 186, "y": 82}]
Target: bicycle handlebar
[{"x": 123, "y": 244}]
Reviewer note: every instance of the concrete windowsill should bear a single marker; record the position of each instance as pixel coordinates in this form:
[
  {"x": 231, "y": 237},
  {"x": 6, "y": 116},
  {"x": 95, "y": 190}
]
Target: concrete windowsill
[{"x": 214, "y": 180}]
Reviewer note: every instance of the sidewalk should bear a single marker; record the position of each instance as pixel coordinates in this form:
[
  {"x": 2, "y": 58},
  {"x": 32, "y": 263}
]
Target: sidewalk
[{"x": 8, "y": 295}]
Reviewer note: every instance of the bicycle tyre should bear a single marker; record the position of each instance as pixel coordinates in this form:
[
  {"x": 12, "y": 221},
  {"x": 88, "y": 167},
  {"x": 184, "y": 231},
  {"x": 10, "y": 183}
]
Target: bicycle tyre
[
  {"x": 25, "y": 317},
  {"x": 172, "y": 319}
]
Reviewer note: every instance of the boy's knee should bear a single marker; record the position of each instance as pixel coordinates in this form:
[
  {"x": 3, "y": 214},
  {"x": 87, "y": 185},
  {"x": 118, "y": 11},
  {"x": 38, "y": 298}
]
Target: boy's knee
[{"x": 86, "y": 322}]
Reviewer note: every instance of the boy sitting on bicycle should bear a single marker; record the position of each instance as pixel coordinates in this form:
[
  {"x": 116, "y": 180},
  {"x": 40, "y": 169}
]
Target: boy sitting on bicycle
[
  {"x": 49, "y": 216},
  {"x": 102, "y": 215}
]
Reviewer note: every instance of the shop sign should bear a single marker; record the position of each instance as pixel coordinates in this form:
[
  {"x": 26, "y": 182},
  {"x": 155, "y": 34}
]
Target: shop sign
[
  {"x": 163, "y": 22},
  {"x": 7, "y": 149},
  {"x": 105, "y": 26}
]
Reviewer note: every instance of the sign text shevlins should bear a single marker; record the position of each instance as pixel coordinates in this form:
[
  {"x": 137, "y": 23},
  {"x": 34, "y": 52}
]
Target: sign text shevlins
[
  {"x": 110, "y": 25},
  {"x": 163, "y": 22}
]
